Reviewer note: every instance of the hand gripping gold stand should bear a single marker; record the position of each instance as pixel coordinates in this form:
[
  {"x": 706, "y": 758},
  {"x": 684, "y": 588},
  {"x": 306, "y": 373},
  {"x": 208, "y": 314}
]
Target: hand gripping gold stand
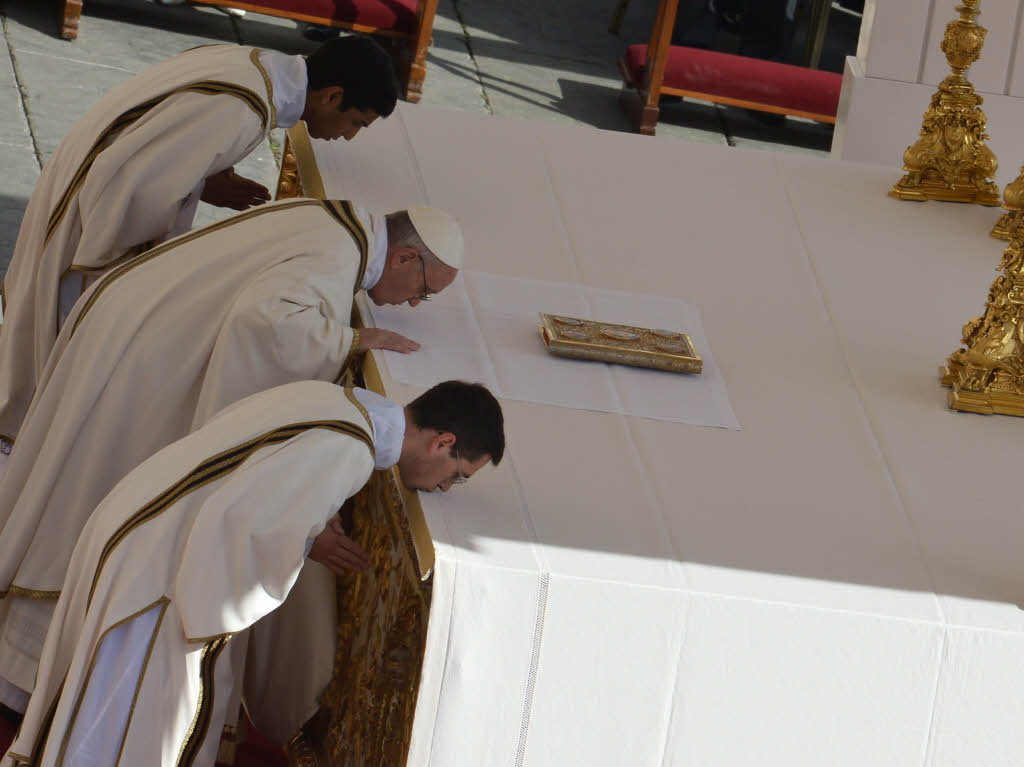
[
  {"x": 366, "y": 712},
  {"x": 950, "y": 161}
]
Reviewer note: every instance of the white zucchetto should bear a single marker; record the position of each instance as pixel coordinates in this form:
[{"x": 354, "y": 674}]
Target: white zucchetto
[{"x": 440, "y": 232}]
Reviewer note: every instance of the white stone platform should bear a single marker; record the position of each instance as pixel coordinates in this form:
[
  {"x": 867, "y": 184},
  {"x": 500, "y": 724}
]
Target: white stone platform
[{"x": 834, "y": 584}]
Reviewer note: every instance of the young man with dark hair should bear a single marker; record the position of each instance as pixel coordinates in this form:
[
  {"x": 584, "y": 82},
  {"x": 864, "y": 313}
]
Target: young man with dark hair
[
  {"x": 132, "y": 170},
  {"x": 468, "y": 412},
  {"x": 354, "y": 77},
  {"x": 202, "y": 542}
]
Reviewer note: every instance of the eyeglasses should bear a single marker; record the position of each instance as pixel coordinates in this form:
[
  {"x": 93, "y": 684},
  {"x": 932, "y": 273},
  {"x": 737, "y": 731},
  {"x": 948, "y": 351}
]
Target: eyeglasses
[
  {"x": 426, "y": 295},
  {"x": 461, "y": 478}
]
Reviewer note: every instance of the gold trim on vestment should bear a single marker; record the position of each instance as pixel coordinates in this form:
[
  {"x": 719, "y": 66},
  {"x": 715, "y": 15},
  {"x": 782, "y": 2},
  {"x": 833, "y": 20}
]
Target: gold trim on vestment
[
  {"x": 44, "y": 731},
  {"x": 213, "y": 469},
  {"x": 350, "y": 392},
  {"x": 128, "y": 255},
  {"x": 206, "y": 87},
  {"x": 422, "y": 540},
  {"x": 104, "y": 282},
  {"x": 204, "y": 710},
  {"x": 350, "y": 356},
  {"x": 254, "y": 57},
  {"x": 17, "y": 760},
  {"x": 138, "y": 686},
  {"x": 24, "y": 593},
  {"x": 305, "y": 160},
  {"x": 163, "y": 601},
  {"x": 345, "y": 214}
]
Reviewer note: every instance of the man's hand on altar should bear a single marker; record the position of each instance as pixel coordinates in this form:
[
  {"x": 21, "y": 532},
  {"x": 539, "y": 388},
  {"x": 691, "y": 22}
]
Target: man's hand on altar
[
  {"x": 229, "y": 190},
  {"x": 337, "y": 552},
  {"x": 378, "y": 338}
]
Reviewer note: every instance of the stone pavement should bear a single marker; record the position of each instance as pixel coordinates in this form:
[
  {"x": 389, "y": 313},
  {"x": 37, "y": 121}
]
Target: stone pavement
[{"x": 533, "y": 59}]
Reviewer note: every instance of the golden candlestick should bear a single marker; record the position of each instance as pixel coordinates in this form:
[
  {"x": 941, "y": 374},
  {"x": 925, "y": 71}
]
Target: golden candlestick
[
  {"x": 1013, "y": 202},
  {"x": 950, "y": 160},
  {"x": 987, "y": 374}
]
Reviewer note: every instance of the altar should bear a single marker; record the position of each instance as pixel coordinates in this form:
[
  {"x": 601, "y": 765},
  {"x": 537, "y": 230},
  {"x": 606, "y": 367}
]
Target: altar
[{"x": 831, "y": 577}]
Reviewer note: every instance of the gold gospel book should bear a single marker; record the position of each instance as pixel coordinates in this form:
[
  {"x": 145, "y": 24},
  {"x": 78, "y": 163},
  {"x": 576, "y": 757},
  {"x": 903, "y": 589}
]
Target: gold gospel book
[{"x": 622, "y": 344}]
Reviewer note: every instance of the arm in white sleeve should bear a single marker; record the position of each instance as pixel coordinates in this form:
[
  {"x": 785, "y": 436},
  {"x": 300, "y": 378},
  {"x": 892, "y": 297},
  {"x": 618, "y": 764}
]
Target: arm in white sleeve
[{"x": 247, "y": 543}]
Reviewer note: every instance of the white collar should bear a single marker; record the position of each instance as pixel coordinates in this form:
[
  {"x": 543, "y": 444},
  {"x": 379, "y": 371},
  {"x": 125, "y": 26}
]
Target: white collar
[
  {"x": 388, "y": 420},
  {"x": 288, "y": 80},
  {"x": 377, "y": 257}
]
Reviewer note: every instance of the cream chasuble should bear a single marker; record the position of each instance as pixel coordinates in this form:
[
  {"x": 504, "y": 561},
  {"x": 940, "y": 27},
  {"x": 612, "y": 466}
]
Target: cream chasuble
[
  {"x": 198, "y": 543},
  {"x": 289, "y": 655},
  {"x": 117, "y": 183},
  {"x": 151, "y": 351}
]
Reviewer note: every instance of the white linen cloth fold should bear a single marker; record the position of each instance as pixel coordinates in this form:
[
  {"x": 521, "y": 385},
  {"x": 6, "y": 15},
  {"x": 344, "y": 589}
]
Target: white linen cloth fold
[{"x": 484, "y": 328}]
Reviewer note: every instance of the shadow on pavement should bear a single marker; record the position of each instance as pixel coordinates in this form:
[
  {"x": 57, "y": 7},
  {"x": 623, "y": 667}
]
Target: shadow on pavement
[{"x": 12, "y": 209}]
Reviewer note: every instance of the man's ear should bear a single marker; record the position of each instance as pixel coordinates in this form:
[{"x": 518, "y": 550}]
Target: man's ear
[
  {"x": 330, "y": 95},
  {"x": 445, "y": 440},
  {"x": 404, "y": 255}
]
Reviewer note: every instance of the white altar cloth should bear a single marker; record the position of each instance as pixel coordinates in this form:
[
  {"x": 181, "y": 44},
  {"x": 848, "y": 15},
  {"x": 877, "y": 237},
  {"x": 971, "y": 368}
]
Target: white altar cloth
[
  {"x": 484, "y": 328},
  {"x": 835, "y": 584}
]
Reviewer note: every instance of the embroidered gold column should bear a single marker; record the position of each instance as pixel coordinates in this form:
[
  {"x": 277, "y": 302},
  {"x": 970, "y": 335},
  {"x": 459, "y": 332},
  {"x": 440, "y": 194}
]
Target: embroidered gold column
[
  {"x": 950, "y": 160},
  {"x": 366, "y": 712},
  {"x": 1013, "y": 203},
  {"x": 987, "y": 374},
  {"x": 288, "y": 183}
]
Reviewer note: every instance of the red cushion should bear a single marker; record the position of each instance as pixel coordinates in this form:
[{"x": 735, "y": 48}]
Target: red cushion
[
  {"x": 397, "y": 15},
  {"x": 738, "y": 77},
  {"x": 7, "y": 732}
]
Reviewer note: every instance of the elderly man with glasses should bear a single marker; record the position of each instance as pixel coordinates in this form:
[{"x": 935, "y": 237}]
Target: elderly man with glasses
[{"x": 154, "y": 348}]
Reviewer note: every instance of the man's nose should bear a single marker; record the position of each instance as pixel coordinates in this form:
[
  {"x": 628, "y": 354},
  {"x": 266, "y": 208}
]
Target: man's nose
[{"x": 414, "y": 302}]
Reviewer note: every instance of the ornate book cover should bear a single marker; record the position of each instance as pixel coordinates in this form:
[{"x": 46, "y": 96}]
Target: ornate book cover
[{"x": 622, "y": 344}]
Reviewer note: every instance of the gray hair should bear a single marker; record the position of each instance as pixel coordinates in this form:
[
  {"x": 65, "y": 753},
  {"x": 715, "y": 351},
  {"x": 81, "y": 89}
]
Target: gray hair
[{"x": 402, "y": 234}]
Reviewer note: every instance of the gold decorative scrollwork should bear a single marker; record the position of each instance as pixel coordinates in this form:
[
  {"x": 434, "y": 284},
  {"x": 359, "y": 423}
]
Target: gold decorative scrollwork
[
  {"x": 367, "y": 710},
  {"x": 1013, "y": 203},
  {"x": 288, "y": 183},
  {"x": 950, "y": 160},
  {"x": 987, "y": 373}
]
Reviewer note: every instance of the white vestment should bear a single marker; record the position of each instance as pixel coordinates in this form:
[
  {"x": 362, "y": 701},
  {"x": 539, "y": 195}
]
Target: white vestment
[
  {"x": 290, "y": 653},
  {"x": 198, "y": 543},
  {"x": 118, "y": 183},
  {"x": 151, "y": 351}
]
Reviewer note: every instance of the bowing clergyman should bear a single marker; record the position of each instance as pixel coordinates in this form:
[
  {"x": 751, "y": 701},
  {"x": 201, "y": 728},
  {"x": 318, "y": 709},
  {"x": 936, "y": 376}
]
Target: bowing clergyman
[
  {"x": 158, "y": 345},
  {"x": 207, "y": 537},
  {"x": 132, "y": 170}
]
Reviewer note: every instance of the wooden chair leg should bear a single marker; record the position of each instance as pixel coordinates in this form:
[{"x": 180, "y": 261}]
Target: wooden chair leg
[
  {"x": 620, "y": 13},
  {"x": 648, "y": 121},
  {"x": 654, "y": 70},
  {"x": 643, "y": 117},
  {"x": 70, "y": 13},
  {"x": 418, "y": 65},
  {"x": 414, "y": 81}
]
